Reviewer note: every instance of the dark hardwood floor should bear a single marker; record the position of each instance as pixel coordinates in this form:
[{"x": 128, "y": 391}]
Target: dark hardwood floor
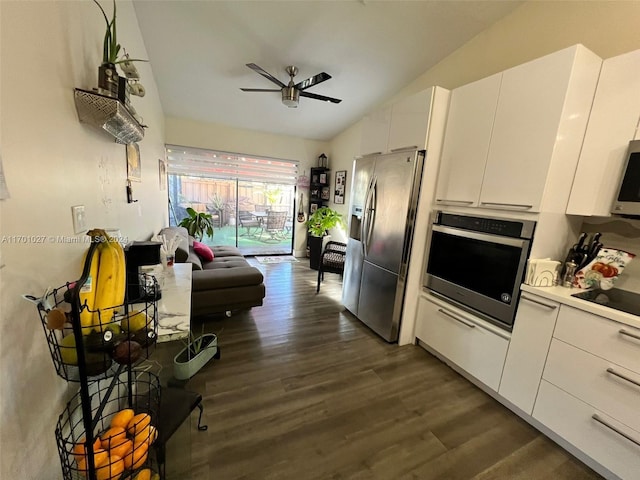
[{"x": 305, "y": 391}]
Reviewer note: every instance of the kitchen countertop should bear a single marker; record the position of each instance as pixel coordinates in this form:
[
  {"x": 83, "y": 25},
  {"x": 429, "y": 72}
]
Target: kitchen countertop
[{"x": 563, "y": 295}]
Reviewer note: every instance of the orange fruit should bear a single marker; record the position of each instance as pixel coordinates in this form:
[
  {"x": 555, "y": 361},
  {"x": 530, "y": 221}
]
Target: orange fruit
[
  {"x": 138, "y": 423},
  {"x": 143, "y": 474},
  {"x": 111, "y": 469},
  {"x": 137, "y": 457},
  {"x": 113, "y": 437},
  {"x": 98, "y": 457},
  {"x": 147, "y": 435},
  {"x": 79, "y": 450},
  {"x": 122, "y": 418},
  {"x": 121, "y": 450}
]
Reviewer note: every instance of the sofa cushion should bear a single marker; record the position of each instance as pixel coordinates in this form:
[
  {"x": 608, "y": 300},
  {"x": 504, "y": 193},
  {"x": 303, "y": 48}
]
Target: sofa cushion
[
  {"x": 194, "y": 260},
  {"x": 203, "y": 251},
  {"x": 228, "y": 277},
  {"x": 226, "y": 251}
]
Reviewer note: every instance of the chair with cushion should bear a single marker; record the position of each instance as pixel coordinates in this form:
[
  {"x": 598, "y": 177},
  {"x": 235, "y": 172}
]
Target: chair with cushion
[
  {"x": 248, "y": 221},
  {"x": 274, "y": 224},
  {"x": 331, "y": 260}
]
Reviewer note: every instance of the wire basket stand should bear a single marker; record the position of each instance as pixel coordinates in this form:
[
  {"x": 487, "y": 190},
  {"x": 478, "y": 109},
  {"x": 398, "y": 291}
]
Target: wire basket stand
[{"x": 101, "y": 358}]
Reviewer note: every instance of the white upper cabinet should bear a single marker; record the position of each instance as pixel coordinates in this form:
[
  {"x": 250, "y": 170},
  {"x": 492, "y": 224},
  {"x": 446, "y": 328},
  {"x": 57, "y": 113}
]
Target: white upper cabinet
[
  {"x": 403, "y": 125},
  {"x": 375, "y": 132},
  {"x": 410, "y": 122},
  {"x": 513, "y": 139},
  {"x": 542, "y": 113},
  {"x": 472, "y": 109},
  {"x": 612, "y": 124}
]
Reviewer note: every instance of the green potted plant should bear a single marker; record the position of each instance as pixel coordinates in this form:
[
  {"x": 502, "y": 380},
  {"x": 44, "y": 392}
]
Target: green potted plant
[
  {"x": 318, "y": 226},
  {"x": 108, "y": 78},
  {"x": 197, "y": 224}
]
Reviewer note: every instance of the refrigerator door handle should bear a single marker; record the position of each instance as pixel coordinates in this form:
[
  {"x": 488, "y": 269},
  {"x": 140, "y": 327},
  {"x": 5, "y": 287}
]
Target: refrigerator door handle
[
  {"x": 371, "y": 213},
  {"x": 365, "y": 218}
]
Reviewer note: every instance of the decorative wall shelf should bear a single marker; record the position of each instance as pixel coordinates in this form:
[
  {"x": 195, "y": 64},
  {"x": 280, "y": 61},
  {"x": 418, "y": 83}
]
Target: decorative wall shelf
[{"x": 109, "y": 114}]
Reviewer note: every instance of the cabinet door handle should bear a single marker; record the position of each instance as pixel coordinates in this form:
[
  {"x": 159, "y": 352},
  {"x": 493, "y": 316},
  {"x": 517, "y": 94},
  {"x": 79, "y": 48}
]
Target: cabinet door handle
[
  {"x": 601, "y": 420},
  {"x": 552, "y": 307},
  {"x": 456, "y": 318},
  {"x": 370, "y": 153},
  {"x": 515, "y": 205},
  {"x": 629, "y": 334},
  {"x": 622, "y": 376},
  {"x": 459, "y": 202},
  {"x": 399, "y": 149}
]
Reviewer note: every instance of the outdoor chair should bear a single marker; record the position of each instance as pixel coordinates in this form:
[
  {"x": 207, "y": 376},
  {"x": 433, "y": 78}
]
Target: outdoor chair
[
  {"x": 331, "y": 260},
  {"x": 273, "y": 224},
  {"x": 248, "y": 220}
]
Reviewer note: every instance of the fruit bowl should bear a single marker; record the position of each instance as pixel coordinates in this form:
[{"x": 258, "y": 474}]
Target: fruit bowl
[{"x": 124, "y": 415}]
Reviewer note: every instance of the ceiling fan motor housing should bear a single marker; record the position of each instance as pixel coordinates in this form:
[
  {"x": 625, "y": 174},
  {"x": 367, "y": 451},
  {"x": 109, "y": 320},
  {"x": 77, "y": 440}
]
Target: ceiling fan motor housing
[{"x": 290, "y": 96}]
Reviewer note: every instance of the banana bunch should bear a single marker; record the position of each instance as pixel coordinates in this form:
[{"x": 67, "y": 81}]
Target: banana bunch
[{"x": 106, "y": 285}]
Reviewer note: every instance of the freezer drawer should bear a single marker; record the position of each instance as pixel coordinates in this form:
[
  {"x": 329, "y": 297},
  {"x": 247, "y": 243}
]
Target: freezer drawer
[{"x": 377, "y": 298}]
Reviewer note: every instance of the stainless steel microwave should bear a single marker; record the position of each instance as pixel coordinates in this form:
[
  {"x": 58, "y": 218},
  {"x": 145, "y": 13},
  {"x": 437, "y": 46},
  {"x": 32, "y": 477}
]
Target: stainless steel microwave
[{"x": 628, "y": 199}]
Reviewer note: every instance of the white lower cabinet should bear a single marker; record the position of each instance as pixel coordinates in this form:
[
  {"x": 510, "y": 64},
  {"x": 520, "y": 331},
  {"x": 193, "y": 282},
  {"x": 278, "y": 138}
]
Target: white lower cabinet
[
  {"x": 475, "y": 346},
  {"x": 530, "y": 340},
  {"x": 607, "y": 386},
  {"x": 608, "y": 441}
]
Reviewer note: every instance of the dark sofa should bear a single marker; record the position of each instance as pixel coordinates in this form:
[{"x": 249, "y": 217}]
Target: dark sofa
[{"x": 225, "y": 284}]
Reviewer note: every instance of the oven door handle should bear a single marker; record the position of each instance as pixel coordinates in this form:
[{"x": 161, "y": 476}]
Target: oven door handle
[{"x": 483, "y": 237}]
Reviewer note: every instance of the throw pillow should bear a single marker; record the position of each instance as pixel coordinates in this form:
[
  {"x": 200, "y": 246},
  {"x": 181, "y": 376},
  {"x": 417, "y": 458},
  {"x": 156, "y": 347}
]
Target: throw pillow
[{"x": 203, "y": 251}]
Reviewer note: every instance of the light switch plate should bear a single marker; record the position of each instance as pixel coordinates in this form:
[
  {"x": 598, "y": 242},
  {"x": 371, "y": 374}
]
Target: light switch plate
[{"x": 79, "y": 219}]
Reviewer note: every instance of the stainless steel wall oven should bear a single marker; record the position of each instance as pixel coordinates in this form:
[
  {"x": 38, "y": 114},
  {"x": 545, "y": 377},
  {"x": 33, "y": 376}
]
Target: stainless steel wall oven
[{"x": 478, "y": 263}]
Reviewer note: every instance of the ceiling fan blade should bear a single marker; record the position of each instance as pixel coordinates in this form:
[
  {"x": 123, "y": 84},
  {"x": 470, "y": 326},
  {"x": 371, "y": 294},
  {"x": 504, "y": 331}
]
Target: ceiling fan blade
[
  {"x": 261, "y": 90},
  {"x": 311, "y": 81},
  {"x": 320, "y": 97},
  {"x": 265, "y": 74}
]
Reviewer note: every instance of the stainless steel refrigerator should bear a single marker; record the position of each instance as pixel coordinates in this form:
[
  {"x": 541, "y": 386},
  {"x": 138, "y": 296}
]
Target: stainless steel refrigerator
[{"x": 384, "y": 199}]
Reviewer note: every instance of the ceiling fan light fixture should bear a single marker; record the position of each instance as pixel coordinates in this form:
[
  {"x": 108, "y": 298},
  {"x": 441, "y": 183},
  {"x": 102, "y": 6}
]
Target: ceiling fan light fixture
[{"x": 290, "y": 96}]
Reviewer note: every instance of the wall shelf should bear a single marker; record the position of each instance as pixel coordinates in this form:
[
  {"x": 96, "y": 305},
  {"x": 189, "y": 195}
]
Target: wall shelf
[{"x": 109, "y": 114}]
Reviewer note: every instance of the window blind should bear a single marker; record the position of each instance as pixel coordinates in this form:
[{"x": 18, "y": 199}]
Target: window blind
[{"x": 198, "y": 162}]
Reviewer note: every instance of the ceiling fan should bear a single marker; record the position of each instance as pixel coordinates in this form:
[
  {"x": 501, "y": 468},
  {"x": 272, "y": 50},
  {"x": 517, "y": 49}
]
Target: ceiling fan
[{"x": 291, "y": 93}]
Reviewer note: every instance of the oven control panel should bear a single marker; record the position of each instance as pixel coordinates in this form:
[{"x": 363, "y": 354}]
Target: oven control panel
[{"x": 494, "y": 226}]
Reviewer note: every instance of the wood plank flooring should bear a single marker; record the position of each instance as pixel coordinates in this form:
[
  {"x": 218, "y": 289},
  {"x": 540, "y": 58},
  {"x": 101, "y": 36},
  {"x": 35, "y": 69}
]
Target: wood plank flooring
[{"x": 305, "y": 391}]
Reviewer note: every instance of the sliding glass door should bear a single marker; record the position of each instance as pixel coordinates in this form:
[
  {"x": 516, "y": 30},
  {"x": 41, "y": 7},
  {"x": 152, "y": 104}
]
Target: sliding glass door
[{"x": 255, "y": 215}]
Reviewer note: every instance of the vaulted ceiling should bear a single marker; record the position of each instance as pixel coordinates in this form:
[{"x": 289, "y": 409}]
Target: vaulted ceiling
[{"x": 372, "y": 49}]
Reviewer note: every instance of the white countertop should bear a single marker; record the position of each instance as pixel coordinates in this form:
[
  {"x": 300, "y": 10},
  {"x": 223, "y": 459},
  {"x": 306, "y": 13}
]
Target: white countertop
[
  {"x": 174, "y": 306},
  {"x": 564, "y": 295}
]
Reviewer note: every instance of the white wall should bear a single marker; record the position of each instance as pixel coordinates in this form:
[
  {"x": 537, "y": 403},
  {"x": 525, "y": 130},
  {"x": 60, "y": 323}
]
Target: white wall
[
  {"x": 192, "y": 133},
  {"x": 52, "y": 162}
]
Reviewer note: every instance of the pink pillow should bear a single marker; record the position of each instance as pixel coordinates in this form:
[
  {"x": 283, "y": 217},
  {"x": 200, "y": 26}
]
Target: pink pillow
[{"x": 203, "y": 251}]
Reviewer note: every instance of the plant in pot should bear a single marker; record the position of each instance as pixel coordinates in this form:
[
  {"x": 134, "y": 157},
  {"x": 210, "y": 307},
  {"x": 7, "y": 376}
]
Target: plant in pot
[
  {"x": 195, "y": 355},
  {"x": 318, "y": 226},
  {"x": 108, "y": 78},
  {"x": 197, "y": 224}
]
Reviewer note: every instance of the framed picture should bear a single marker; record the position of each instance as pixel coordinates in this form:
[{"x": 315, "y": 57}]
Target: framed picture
[
  {"x": 341, "y": 182},
  {"x": 326, "y": 194},
  {"x": 323, "y": 178},
  {"x": 313, "y": 207},
  {"x": 162, "y": 174},
  {"x": 134, "y": 169}
]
